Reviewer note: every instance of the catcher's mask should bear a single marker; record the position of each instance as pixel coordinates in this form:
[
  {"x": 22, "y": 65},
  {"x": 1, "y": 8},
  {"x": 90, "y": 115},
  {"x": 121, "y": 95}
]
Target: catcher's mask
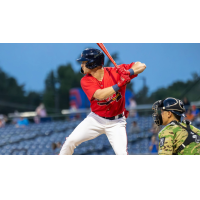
[{"x": 173, "y": 105}]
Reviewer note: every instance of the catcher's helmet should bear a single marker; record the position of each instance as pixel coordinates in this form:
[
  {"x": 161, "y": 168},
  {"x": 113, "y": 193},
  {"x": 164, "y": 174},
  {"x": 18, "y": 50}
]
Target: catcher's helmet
[
  {"x": 173, "y": 105},
  {"x": 94, "y": 57},
  {"x": 176, "y": 106}
]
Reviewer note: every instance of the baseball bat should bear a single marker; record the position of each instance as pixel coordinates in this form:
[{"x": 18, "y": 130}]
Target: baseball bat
[{"x": 101, "y": 45}]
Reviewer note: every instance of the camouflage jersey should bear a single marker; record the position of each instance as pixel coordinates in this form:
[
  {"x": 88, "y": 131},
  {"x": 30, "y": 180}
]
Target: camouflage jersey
[{"x": 173, "y": 136}]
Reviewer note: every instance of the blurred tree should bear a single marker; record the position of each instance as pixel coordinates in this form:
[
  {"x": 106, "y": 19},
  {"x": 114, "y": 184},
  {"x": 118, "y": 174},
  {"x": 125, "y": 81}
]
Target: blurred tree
[
  {"x": 58, "y": 85},
  {"x": 179, "y": 89},
  {"x": 141, "y": 96},
  {"x": 10, "y": 91},
  {"x": 130, "y": 86},
  {"x": 33, "y": 99},
  {"x": 49, "y": 93},
  {"x": 68, "y": 79},
  {"x": 14, "y": 97}
]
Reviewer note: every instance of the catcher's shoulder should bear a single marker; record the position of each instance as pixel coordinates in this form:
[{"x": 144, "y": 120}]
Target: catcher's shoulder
[{"x": 167, "y": 130}]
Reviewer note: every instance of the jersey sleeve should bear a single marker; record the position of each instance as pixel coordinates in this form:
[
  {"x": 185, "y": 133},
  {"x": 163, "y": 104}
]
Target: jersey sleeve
[
  {"x": 127, "y": 67},
  {"x": 166, "y": 143},
  {"x": 89, "y": 87}
]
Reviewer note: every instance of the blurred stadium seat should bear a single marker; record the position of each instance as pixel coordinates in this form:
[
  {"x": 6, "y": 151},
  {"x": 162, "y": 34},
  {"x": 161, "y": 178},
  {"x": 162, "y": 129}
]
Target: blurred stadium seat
[{"x": 37, "y": 139}]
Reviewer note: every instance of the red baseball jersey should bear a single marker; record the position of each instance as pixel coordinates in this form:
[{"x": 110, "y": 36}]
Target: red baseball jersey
[{"x": 113, "y": 105}]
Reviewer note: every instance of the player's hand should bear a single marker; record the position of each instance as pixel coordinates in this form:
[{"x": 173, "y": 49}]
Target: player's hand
[
  {"x": 124, "y": 80},
  {"x": 138, "y": 67},
  {"x": 122, "y": 71}
]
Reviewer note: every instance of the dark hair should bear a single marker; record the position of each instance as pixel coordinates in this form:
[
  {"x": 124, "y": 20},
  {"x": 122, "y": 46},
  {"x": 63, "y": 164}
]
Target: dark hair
[
  {"x": 177, "y": 117},
  {"x": 53, "y": 146},
  {"x": 134, "y": 122}
]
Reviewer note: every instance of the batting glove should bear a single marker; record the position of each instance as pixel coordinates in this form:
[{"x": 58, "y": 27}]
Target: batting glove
[
  {"x": 122, "y": 71},
  {"x": 124, "y": 80}
]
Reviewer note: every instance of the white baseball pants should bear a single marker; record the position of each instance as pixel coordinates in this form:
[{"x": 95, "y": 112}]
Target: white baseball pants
[{"x": 93, "y": 126}]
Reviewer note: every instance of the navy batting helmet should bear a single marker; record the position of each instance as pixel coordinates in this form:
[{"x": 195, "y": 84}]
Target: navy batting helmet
[{"x": 94, "y": 58}]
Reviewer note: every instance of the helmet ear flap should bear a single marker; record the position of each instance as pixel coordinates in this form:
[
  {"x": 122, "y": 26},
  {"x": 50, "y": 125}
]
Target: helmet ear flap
[
  {"x": 91, "y": 64},
  {"x": 82, "y": 72}
]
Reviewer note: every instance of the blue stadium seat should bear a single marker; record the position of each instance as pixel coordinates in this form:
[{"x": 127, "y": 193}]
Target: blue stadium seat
[{"x": 36, "y": 139}]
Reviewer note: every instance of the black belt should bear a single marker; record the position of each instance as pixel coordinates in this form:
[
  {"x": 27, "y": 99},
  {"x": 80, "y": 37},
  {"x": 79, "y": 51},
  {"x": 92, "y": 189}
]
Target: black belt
[{"x": 113, "y": 118}]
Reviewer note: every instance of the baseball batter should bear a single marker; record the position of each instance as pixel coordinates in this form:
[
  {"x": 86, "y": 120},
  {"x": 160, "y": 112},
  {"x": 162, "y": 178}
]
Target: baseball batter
[{"x": 105, "y": 88}]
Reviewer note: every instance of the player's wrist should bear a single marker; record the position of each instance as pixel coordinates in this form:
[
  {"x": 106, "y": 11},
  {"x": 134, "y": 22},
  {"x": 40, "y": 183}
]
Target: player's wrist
[
  {"x": 116, "y": 88},
  {"x": 131, "y": 72}
]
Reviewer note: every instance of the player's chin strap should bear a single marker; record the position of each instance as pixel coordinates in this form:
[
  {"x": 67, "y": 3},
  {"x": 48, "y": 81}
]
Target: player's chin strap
[{"x": 192, "y": 137}]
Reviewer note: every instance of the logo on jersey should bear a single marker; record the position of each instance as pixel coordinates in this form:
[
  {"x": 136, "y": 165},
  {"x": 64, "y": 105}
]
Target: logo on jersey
[
  {"x": 162, "y": 141},
  {"x": 115, "y": 97}
]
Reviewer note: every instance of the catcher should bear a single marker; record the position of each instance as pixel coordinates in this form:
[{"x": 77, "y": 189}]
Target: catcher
[{"x": 177, "y": 138}]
